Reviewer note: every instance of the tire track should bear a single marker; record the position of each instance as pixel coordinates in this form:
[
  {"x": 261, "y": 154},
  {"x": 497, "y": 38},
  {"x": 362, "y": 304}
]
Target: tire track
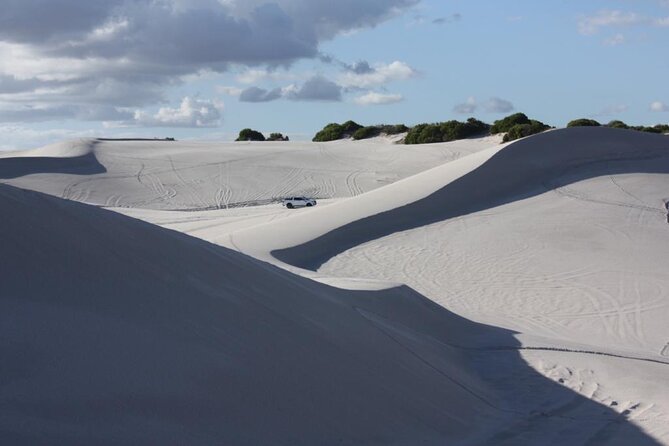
[
  {"x": 665, "y": 350},
  {"x": 352, "y": 183},
  {"x": 223, "y": 194},
  {"x": 193, "y": 191},
  {"x": 288, "y": 184},
  {"x": 568, "y": 192}
]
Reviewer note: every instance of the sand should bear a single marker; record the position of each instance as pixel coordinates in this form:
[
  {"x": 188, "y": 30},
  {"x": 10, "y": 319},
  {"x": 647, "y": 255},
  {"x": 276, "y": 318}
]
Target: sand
[{"x": 460, "y": 293}]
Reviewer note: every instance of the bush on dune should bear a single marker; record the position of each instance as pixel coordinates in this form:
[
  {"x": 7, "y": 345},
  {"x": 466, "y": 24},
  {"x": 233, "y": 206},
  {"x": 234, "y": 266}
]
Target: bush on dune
[
  {"x": 334, "y": 131},
  {"x": 350, "y": 127},
  {"x": 277, "y": 137},
  {"x": 372, "y": 131},
  {"x": 522, "y": 130},
  {"x": 250, "y": 135},
  {"x": 517, "y": 126},
  {"x": 330, "y": 132},
  {"x": 446, "y": 131},
  {"x": 423, "y": 134},
  {"x": 647, "y": 129},
  {"x": 367, "y": 132},
  {"x": 394, "y": 129},
  {"x": 659, "y": 128},
  {"x": 505, "y": 124},
  {"x": 583, "y": 122},
  {"x": 617, "y": 124}
]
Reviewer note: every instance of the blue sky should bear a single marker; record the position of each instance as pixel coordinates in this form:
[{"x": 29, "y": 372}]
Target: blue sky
[{"x": 212, "y": 67}]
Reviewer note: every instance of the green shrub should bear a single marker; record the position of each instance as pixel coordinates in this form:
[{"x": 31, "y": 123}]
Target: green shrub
[
  {"x": 250, "y": 135},
  {"x": 505, "y": 124},
  {"x": 583, "y": 122},
  {"x": 372, "y": 131},
  {"x": 394, "y": 129},
  {"x": 523, "y": 130},
  {"x": 642, "y": 128},
  {"x": 617, "y": 125},
  {"x": 659, "y": 128},
  {"x": 329, "y": 133},
  {"x": 349, "y": 128},
  {"x": 423, "y": 134},
  {"x": 277, "y": 137},
  {"x": 445, "y": 131},
  {"x": 451, "y": 130},
  {"x": 334, "y": 131},
  {"x": 367, "y": 132},
  {"x": 474, "y": 127}
]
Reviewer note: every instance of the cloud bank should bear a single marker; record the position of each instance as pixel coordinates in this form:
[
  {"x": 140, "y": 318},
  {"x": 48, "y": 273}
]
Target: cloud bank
[
  {"x": 192, "y": 112},
  {"x": 63, "y": 59}
]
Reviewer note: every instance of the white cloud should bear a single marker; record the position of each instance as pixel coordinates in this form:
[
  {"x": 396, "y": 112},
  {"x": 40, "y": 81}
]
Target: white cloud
[
  {"x": 373, "y": 98},
  {"x": 467, "y": 107},
  {"x": 492, "y": 105},
  {"x": 192, "y": 112},
  {"x": 662, "y": 22},
  {"x": 658, "y": 106},
  {"x": 257, "y": 75},
  {"x": 317, "y": 88},
  {"x": 109, "y": 30},
  {"x": 497, "y": 105},
  {"x": 616, "y": 40},
  {"x": 613, "y": 110},
  {"x": 230, "y": 91},
  {"x": 140, "y": 48},
  {"x": 379, "y": 75},
  {"x": 589, "y": 25}
]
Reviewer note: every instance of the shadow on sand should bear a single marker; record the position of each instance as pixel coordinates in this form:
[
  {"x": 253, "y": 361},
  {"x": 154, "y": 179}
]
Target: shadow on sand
[
  {"x": 524, "y": 169},
  {"x": 20, "y": 166},
  {"x": 115, "y": 331}
]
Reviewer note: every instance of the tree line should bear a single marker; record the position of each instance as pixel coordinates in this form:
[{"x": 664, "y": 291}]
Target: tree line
[{"x": 515, "y": 126}]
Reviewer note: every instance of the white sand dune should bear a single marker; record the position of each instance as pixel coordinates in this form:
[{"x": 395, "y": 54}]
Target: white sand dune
[
  {"x": 552, "y": 248},
  {"x": 487, "y": 179},
  {"x": 66, "y": 149},
  {"x": 199, "y": 176},
  {"x": 118, "y": 332},
  {"x": 562, "y": 237}
]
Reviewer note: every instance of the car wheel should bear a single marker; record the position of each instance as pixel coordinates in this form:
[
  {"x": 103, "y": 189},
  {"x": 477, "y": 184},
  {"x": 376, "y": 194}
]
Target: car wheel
[
  {"x": 309, "y": 205},
  {"x": 290, "y": 206}
]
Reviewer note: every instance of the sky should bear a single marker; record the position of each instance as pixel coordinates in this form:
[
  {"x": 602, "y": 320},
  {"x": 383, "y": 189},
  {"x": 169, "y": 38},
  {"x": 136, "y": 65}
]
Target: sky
[{"x": 205, "y": 69}]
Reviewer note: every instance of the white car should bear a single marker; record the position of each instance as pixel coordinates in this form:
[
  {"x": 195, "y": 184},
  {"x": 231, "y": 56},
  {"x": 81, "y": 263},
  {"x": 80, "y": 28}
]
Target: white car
[{"x": 298, "y": 202}]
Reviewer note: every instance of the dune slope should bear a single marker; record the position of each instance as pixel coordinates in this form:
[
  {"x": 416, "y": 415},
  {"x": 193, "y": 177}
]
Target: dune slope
[
  {"x": 523, "y": 169},
  {"x": 177, "y": 175},
  {"x": 114, "y": 331}
]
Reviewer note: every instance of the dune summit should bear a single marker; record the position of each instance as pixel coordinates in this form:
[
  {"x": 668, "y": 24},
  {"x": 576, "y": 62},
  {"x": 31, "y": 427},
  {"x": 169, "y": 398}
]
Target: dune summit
[{"x": 534, "y": 310}]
